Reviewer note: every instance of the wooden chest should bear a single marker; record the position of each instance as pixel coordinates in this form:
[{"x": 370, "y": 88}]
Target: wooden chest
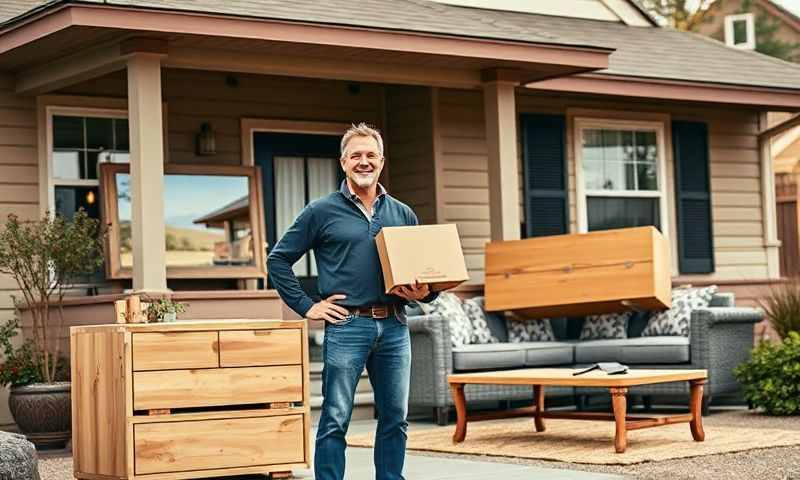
[
  {"x": 580, "y": 274},
  {"x": 190, "y": 399}
]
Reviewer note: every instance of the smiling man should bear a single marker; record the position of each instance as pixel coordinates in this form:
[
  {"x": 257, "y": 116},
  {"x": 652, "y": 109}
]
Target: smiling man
[{"x": 364, "y": 327}]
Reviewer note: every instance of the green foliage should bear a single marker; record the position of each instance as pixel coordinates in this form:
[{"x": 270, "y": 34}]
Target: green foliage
[
  {"x": 766, "y": 28},
  {"x": 46, "y": 257},
  {"x": 19, "y": 365},
  {"x": 771, "y": 379},
  {"x": 157, "y": 307},
  {"x": 782, "y": 307},
  {"x": 688, "y": 15}
]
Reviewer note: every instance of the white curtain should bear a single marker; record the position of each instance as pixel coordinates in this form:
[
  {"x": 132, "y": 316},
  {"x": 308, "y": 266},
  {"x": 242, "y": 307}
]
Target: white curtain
[
  {"x": 321, "y": 181},
  {"x": 290, "y": 198}
]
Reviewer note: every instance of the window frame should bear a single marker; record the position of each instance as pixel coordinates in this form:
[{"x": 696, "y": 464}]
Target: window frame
[
  {"x": 750, "y": 29},
  {"x": 665, "y": 188},
  {"x": 52, "y": 181}
]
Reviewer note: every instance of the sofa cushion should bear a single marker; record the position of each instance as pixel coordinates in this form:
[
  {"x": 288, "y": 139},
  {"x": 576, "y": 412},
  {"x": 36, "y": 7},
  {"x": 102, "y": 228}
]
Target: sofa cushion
[
  {"x": 488, "y": 356},
  {"x": 675, "y": 321},
  {"x": 512, "y": 355},
  {"x": 634, "y": 351},
  {"x": 542, "y": 354},
  {"x": 605, "y": 326}
]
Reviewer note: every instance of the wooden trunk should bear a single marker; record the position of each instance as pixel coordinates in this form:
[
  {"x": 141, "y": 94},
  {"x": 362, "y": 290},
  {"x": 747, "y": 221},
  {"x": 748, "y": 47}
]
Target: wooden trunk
[
  {"x": 579, "y": 274},
  {"x": 190, "y": 399}
]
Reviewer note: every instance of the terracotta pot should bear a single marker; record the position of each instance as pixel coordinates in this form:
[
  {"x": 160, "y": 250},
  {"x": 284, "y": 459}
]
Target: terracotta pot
[{"x": 43, "y": 413}]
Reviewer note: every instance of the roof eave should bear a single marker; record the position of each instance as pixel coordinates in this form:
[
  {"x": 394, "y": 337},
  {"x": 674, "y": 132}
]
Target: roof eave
[{"x": 759, "y": 97}]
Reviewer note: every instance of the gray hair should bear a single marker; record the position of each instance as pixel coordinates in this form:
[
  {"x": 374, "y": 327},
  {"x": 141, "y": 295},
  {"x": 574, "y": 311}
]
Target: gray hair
[{"x": 361, "y": 130}]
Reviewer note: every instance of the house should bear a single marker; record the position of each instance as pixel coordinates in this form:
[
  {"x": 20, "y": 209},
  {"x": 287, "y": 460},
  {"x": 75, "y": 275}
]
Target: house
[
  {"x": 767, "y": 26},
  {"x": 508, "y": 123}
]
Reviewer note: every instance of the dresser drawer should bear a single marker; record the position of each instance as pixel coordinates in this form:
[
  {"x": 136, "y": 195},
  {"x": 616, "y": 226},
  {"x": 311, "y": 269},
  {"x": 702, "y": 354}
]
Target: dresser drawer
[
  {"x": 217, "y": 387},
  {"x": 175, "y": 350},
  {"x": 244, "y": 348},
  {"x": 214, "y": 444}
]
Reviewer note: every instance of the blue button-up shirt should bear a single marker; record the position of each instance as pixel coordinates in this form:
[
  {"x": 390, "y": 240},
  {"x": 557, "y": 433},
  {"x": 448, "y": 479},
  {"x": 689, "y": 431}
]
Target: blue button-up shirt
[{"x": 343, "y": 239}]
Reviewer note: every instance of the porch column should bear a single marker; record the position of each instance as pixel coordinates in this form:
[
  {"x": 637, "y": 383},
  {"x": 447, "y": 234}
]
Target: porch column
[
  {"x": 147, "y": 172},
  {"x": 769, "y": 210},
  {"x": 501, "y": 138}
]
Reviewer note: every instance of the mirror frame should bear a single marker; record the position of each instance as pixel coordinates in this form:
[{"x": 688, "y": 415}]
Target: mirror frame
[{"x": 110, "y": 217}]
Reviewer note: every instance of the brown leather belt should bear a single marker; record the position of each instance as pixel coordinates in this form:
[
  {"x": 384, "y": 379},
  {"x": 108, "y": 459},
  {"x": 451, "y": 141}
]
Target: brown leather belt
[{"x": 373, "y": 311}]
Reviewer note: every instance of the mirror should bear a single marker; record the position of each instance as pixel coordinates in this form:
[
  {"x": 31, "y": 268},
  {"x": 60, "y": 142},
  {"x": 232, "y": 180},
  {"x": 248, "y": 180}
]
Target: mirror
[{"x": 208, "y": 218}]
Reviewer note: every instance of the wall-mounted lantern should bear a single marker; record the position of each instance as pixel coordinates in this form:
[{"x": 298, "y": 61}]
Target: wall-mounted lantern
[{"x": 206, "y": 145}]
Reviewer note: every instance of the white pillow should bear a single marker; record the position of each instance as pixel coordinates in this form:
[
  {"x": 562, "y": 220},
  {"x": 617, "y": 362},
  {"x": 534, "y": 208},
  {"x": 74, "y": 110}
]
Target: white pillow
[
  {"x": 675, "y": 321},
  {"x": 529, "y": 330},
  {"x": 449, "y": 306}
]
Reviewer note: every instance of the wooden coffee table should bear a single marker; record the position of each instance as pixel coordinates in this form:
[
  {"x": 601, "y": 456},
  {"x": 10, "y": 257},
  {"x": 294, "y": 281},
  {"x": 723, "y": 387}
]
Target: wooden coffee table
[{"x": 617, "y": 385}]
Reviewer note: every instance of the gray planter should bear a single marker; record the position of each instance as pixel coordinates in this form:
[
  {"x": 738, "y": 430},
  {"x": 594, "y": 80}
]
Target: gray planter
[{"x": 43, "y": 413}]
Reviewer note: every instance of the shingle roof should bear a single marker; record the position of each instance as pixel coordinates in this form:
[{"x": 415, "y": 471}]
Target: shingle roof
[
  {"x": 407, "y": 15},
  {"x": 649, "y": 52},
  {"x": 665, "y": 53}
]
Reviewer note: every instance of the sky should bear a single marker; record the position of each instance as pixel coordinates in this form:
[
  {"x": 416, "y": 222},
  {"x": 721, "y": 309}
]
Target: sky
[{"x": 791, "y": 5}]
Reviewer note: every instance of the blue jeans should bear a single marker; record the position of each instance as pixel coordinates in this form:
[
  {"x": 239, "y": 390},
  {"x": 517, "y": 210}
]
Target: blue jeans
[{"x": 384, "y": 347}]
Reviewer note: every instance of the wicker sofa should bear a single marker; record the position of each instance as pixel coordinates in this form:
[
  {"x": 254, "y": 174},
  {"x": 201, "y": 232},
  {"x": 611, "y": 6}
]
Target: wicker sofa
[{"x": 721, "y": 337}]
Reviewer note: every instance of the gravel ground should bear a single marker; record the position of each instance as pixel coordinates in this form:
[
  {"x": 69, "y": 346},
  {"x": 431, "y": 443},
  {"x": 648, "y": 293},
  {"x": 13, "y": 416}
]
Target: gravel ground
[{"x": 764, "y": 464}]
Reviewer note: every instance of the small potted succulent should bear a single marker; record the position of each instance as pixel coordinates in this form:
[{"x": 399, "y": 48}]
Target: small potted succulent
[{"x": 163, "y": 309}]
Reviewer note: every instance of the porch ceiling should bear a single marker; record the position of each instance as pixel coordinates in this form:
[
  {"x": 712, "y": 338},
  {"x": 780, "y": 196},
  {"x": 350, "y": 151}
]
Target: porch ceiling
[{"x": 286, "y": 48}]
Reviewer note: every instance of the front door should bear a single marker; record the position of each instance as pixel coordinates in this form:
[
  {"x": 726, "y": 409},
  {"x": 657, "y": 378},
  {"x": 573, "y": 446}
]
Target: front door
[{"x": 296, "y": 169}]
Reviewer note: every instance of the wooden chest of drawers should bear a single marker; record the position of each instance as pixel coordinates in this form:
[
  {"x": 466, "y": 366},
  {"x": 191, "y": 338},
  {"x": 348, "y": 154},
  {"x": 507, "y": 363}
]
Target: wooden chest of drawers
[{"x": 190, "y": 399}]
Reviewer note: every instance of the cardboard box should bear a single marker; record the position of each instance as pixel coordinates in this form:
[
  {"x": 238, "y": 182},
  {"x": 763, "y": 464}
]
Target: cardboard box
[
  {"x": 428, "y": 253},
  {"x": 580, "y": 274}
]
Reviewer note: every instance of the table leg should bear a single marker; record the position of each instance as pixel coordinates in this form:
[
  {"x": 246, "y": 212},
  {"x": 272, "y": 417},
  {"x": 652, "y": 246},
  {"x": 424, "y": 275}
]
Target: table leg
[
  {"x": 457, "y": 390},
  {"x": 538, "y": 397},
  {"x": 619, "y": 406},
  {"x": 696, "y": 409}
]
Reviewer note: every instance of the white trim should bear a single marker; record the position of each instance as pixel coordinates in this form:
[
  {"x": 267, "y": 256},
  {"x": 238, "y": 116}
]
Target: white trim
[
  {"x": 250, "y": 125},
  {"x": 665, "y": 190},
  {"x": 50, "y": 111},
  {"x": 750, "y": 29}
]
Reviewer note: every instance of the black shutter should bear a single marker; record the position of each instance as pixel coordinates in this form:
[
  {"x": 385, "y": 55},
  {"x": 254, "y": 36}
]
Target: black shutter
[
  {"x": 545, "y": 166},
  {"x": 693, "y": 197}
]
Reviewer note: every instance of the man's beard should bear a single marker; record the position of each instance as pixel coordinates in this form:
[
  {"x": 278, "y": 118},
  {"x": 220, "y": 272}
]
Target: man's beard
[{"x": 362, "y": 180}]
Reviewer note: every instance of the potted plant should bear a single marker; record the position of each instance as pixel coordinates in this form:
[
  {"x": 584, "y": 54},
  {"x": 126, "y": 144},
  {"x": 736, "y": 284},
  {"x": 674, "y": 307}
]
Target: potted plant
[
  {"x": 163, "y": 309},
  {"x": 46, "y": 257}
]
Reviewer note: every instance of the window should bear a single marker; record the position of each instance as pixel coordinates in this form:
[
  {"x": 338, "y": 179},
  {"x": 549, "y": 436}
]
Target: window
[
  {"x": 298, "y": 181},
  {"x": 78, "y": 144},
  {"x": 740, "y": 31},
  {"x": 620, "y": 175}
]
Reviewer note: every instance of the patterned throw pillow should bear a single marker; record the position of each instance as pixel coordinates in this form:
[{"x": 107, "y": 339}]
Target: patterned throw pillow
[
  {"x": 481, "y": 333},
  {"x": 675, "y": 321},
  {"x": 449, "y": 306},
  {"x": 605, "y": 326},
  {"x": 530, "y": 330}
]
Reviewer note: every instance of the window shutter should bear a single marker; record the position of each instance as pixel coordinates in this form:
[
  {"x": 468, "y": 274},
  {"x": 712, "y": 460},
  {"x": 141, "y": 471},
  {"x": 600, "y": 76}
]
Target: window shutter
[
  {"x": 545, "y": 166},
  {"x": 693, "y": 197}
]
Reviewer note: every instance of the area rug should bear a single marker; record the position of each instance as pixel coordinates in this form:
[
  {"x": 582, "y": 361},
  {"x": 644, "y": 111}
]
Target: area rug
[{"x": 590, "y": 442}]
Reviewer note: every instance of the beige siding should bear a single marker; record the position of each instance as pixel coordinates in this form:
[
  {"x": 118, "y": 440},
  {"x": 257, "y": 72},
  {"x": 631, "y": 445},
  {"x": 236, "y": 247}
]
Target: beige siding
[
  {"x": 409, "y": 135},
  {"x": 461, "y": 136},
  {"x": 735, "y": 174},
  {"x": 19, "y": 184}
]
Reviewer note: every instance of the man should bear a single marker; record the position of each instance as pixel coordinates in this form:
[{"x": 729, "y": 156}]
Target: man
[{"x": 363, "y": 325}]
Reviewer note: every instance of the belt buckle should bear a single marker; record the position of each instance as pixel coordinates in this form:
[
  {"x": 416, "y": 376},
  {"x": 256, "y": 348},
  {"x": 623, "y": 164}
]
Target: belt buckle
[{"x": 379, "y": 312}]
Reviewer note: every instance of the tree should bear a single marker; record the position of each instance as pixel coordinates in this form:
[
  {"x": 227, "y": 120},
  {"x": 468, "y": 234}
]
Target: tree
[
  {"x": 686, "y": 15},
  {"x": 766, "y": 29}
]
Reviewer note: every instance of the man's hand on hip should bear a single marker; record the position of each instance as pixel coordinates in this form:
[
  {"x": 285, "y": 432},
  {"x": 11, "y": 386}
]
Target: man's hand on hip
[
  {"x": 327, "y": 310},
  {"x": 417, "y": 291}
]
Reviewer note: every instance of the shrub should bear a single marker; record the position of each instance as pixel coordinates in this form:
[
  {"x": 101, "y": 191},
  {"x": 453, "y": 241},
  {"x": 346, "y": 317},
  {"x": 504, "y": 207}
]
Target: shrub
[
  {"x": 771, "y": 379},
  {"x": 782, "y": 307}
]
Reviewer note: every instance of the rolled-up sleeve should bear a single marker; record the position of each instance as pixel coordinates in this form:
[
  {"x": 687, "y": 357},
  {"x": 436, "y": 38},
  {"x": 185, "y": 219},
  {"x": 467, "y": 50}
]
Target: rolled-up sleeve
[{"x": 295, "y": 243}]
